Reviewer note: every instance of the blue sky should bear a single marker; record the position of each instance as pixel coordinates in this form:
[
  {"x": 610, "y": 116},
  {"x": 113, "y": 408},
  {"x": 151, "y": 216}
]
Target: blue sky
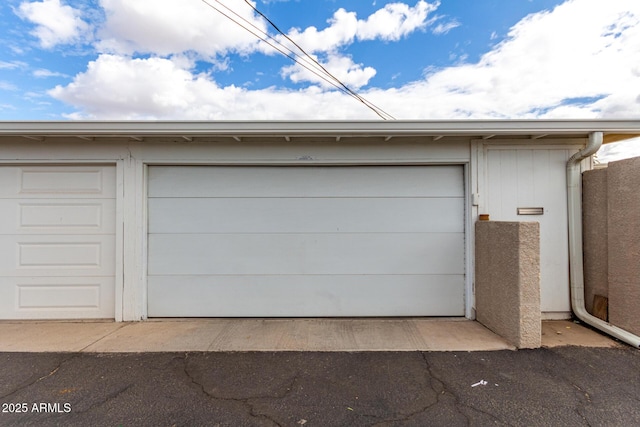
[{"x": 415, "y": 59}]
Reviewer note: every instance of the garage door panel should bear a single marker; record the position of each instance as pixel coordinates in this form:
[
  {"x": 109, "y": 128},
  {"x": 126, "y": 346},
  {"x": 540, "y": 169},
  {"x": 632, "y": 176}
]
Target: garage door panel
[
  {"x": 386, "y": 253},
  {"x": 59, "y": 216},
  {"x": 343, "y": 181},
  {"x": 295, "y": 296},
  {"x": 321, "y": 215},
  {"x": 55, "y": 181},
  {"x": 57, "y": 297},
  {"x": 50, "y": 255}
]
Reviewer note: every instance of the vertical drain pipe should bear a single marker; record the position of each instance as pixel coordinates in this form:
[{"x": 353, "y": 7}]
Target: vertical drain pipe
[{"x": 576, "y": 270}]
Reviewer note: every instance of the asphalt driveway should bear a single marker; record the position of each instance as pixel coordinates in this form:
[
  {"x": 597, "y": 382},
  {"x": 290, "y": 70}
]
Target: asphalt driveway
[{"x": 564, "y": 386}]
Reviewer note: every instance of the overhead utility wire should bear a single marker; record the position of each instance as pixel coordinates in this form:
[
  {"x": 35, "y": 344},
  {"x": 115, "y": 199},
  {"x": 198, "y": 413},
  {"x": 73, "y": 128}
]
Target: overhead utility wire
[
  {"x": 316, "y": 72},
  {"x": 311, "y": 63},
  {"x": 318, "y": 69},
  {"x": 379, "y": 111}
]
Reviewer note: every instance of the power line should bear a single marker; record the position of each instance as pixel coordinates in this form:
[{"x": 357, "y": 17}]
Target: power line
[
  {"x": 379, "y": 111},
  {"x": 259, "y": 33},
  {"x": 311, "y": 64}
]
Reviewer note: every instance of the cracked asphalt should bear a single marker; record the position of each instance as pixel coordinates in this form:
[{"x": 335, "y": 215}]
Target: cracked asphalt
[{"x": 564, "y": 386}]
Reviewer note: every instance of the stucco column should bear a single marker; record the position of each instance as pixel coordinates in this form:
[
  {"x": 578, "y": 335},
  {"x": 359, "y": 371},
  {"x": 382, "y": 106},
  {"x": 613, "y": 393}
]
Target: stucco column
[{"x": 507, "y": 282}]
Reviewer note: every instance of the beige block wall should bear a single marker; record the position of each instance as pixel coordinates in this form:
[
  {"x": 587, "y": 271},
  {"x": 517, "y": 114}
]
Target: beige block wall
[
  {"x": 623, "y": 221},
  {"x": 507, "y": 280},
  {"x": 595, "y": 235}
]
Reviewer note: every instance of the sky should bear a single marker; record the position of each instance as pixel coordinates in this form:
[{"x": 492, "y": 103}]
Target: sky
[{"x": 414, "y": 59}]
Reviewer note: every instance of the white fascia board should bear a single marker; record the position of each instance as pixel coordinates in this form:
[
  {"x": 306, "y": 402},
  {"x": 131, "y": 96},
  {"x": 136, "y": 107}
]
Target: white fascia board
[{"x": 345, "y": 128}]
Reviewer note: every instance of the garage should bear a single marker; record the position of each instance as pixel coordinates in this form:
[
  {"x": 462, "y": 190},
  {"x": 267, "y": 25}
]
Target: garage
[
  {"x": 57, "y": 241},
  {"x": 306, "y": 241}
]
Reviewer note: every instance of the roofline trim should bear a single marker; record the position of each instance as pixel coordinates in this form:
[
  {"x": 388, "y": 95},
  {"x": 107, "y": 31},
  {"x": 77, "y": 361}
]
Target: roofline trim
[{"x": 343, "y": 128}]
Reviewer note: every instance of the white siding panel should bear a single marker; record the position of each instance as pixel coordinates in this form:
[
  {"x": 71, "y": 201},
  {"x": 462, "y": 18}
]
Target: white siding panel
[
  {"x": 344, "y": 181},
  {"x": 320, "y": 215},
  {"x": 385, "y": 253},
  {"x": 296, "y": 296}
]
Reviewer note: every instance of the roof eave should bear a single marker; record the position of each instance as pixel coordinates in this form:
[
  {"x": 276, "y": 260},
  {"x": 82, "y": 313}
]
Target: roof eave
[{"x": 345, "y": 128}]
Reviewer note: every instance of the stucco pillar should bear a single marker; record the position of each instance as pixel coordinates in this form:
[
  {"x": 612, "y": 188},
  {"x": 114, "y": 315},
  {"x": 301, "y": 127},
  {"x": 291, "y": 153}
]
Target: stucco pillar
[{"x": 507, "y": 280}]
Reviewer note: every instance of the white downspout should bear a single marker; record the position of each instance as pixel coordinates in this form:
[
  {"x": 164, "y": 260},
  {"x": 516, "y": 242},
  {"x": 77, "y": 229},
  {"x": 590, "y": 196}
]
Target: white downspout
[{"x": 576, "y": 272}]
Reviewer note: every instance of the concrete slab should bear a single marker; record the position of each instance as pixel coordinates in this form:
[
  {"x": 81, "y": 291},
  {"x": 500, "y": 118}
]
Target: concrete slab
[
  {"x": 460, "y": 336},
  {"x": 223, "y": 335},
  {"x": 38, "y": 336},
  {"x": 249, "y": 335},
  {"x": 159, "y": 336},
  {"x": 354, "y": 335},
  {"x": 316, "y": 335},
  {"x": 557, "y": 333},
  {"x": 219, "y": 335}
]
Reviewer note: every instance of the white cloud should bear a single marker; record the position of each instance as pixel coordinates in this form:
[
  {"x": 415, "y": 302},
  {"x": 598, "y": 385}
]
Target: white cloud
[
  {"x": 342, "y": 67},
  {"x": 619, "y": 150},
  {"x": 158, "y": 27},
  {"x": 551, "y": 65},
  {"x": 395, "y": 20},
  {"x": 44, "y": 73},
  {"x": 391, "y": 23},
  {"x": 341, "y": 31},
  {"x": 55, "y": 23},
  {"x": 117, "y": 87},
  {"x": 445, "y": 27},
  {"x": 166, "y": 27},
  {"x": 13, "y": 65},
  {"x": 546, "y": 64},
  {"x": 7, "y": 86}
]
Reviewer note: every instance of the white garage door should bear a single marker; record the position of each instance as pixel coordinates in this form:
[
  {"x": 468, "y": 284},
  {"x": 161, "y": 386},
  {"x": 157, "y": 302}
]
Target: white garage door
[
  {"x": 57, "y": 242},
  {"x": 306, "y": 241}
]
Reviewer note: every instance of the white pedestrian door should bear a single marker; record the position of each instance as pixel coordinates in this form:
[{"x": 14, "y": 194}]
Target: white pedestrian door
[
  {"x": 534, "y": 178},
  {"x": 305, "y": 241}
]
